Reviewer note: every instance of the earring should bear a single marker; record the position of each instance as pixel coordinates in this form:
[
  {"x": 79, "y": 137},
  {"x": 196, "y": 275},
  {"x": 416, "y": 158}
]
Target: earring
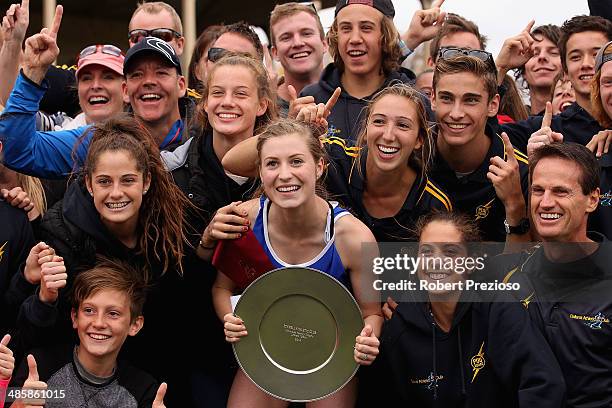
[
  {"x": 144, "y": 192},
  {"x": 91, "y": 193}
]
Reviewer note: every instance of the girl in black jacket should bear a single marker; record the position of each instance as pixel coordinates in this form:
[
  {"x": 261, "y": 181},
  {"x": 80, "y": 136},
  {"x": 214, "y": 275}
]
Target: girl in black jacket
[
  {"x": 447, "y": 352},
  {"x": 124, "y": 206}
]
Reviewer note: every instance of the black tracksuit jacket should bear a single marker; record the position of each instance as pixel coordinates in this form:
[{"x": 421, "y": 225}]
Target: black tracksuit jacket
[{"x": 493, "y": 356}]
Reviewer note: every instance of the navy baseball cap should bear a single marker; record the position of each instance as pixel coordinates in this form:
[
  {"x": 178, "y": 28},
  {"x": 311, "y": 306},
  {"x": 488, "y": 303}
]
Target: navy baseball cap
[
  {"x": 152, "y": 45},
  {"x": 384, "y": 6}
]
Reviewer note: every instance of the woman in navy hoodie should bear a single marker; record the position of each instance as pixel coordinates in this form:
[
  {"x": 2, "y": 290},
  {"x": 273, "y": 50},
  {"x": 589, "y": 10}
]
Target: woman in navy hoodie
[{"x": 444, "y": 351}]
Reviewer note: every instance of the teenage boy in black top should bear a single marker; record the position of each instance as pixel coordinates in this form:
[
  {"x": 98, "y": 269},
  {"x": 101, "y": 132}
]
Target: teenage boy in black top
[
  {"x": 363, "y": 42},
  {"x": 484, "y": 176},
  {"x": 581, "y": 38}
]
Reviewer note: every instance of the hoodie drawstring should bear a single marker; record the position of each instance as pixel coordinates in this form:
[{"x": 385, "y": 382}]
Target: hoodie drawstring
[
  {"x": 461, "y": 365},
  {"x": 434, "y": 380}
]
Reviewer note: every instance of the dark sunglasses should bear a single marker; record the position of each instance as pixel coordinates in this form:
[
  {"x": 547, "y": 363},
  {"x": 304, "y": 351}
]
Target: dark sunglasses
[
  {"x": 165, "y": 34},
  {"x": 104, "y": 49},
  {"x": 450, "y": 52}
]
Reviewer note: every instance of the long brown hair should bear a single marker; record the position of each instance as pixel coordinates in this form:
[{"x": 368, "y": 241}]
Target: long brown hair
[
  {"x": 283, "y": 127},
  {"x": 420, "y": 158},
  {"x": 264, "y": 91},
  {"x": 161, "y": 225}
]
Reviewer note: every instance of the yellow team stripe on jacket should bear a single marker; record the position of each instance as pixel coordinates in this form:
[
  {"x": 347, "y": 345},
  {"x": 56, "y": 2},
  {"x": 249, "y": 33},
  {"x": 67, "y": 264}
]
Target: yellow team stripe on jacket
[
  {"x": 520, "y": 156},
  {"x": 352, "y": 151},
  {"x": 193, "y": 93},
  {"x": 432, "y": 189},
  {"x": 509, "y": 275}
]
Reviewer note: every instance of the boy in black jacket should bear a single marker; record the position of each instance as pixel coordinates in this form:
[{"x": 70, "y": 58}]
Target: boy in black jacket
[
  {"x": 485, "y": 177},
  {"x": 363, "y": 42},
  {"x": 107, "y": 308}
]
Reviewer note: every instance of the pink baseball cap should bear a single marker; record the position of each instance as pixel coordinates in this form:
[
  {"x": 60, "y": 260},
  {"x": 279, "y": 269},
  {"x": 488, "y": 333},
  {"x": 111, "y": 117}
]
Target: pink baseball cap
[{"x": 107, "y": 55}]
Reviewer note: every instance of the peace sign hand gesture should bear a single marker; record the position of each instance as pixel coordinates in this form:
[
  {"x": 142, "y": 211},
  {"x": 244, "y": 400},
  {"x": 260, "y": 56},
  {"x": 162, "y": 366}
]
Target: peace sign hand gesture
[{"x": 41, "y": 50}]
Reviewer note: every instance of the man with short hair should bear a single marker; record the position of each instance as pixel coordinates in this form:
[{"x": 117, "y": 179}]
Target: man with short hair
[
  {"x": 479, "y": 169},
  {"x": 456, "y": 31},
  {"x": 565, "y": 282},
  {"x": 238, "y": 37},
  {"x": 298, "y": 43},
  {"x": 157, "y": 19}
]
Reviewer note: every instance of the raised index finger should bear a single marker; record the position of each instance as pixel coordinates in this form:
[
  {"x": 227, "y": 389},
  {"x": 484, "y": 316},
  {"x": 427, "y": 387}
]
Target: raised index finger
[
  {"x": 510, "y": 157},
  {"x": 437, "y": 3},
  {"x": 161, "y": 393},
  {"x": 529, "y": 26},
  {"x": 547, "y": 118},
  {"x": 332, "y": 100},
  {"x": 292, "y": 93},
  {"x": 25, "y": 4},
  {"x": 57, "y": 21}
]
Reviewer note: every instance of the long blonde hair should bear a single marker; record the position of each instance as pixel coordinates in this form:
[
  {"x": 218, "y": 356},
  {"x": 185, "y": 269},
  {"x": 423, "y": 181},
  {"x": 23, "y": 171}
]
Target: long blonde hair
[{"x": 35, "y": 190}]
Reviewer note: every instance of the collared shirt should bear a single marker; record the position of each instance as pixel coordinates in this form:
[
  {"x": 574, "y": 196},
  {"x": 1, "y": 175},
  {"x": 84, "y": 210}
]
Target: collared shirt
[{"x": 474, "y": 194}]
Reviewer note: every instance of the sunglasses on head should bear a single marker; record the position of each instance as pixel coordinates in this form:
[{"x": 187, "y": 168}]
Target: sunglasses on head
[
  {"x": 450, "y": 52},
  {"x": 104, "y": 49},
  {"x": 165, "y": 34},
  {"x": 215, "y": 54}
]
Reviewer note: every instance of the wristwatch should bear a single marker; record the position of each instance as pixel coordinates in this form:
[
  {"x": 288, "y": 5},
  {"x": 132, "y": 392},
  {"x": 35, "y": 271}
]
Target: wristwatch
[{"x": 521, "y": 228}]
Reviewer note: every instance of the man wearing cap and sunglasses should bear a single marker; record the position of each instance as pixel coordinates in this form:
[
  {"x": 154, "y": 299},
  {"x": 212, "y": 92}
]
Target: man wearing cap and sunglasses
[
  {"x": 156, "y": 19},
  {"x": 153, "y": 85}
]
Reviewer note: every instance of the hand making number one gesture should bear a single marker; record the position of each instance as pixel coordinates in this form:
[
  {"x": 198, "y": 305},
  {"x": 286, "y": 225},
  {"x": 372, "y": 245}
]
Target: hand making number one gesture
[
  {"x": 41, "y": 49},
  {"x": 545, "y": 135}
]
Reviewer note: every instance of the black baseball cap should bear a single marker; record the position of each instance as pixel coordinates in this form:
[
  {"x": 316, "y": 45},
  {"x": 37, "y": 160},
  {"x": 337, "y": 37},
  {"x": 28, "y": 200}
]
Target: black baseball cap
[
  {"x": 152, "y": 45},
  {"x": 384, "y": 6}
]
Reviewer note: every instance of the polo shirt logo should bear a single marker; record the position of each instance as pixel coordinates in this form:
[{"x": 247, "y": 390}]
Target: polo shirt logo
[
  {"x": 483, "y": 210},
  {"x": 605, "y": 200},
  {"x": 2, "y": 250},
  {"x": 478, "y": 361},
  {"x": 525, "y": 302},
  {"x": 592, "y": 322},
  {"x": 332, "y": 130}
]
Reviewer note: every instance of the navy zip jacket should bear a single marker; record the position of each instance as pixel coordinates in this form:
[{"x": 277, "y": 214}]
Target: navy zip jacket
[
  {"x": 56, "y": 154},
  {"x": 346, "y": 116},
  {"x": 571, "y": 304},
  {"x": 493, "y": 356}
]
